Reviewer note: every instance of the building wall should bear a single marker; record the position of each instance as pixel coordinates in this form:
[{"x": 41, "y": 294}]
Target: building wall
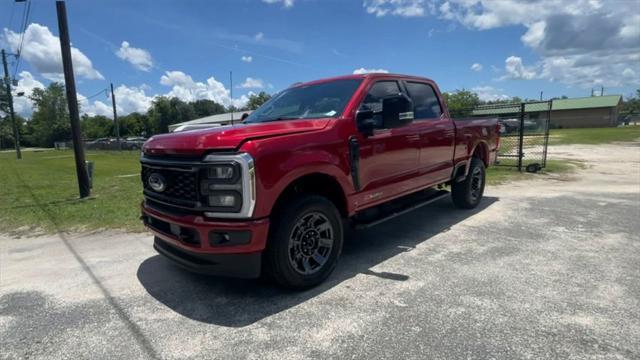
[{"x": 584, "y": 118}]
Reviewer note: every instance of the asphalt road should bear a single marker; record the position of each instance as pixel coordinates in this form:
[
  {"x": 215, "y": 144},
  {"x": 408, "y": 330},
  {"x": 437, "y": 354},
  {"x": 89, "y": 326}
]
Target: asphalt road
[{"x": 543, "y": 269}]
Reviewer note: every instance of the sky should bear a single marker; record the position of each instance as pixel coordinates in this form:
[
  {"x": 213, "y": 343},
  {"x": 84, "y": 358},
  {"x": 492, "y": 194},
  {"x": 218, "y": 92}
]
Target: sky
[{"x": 148, "y": 48}]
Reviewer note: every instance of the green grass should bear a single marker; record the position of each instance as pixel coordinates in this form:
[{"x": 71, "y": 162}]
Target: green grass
[
  {"x": 40, "y": 191},
  {"x": 502, "y": 174},
  {"x": 593, "y": 136}
]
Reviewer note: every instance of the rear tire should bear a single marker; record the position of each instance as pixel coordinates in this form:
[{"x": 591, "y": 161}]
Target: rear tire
[
  {"x": 468, "y": 193},
  {"x": 305, "y": 242}
]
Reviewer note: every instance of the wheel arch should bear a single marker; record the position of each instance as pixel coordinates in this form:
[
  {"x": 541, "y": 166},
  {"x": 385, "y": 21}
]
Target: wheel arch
[{"x": 315, "y": 183}]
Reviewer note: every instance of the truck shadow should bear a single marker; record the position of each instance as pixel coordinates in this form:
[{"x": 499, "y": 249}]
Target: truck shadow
[{"x": 238, "y": 303}]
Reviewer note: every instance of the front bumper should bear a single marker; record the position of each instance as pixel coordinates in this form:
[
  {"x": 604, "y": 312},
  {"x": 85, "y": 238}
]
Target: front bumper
[{"x": 227, "y": 248}]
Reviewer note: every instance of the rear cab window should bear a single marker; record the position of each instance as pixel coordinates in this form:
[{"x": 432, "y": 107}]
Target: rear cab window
[{"x": 425, "y": 101}]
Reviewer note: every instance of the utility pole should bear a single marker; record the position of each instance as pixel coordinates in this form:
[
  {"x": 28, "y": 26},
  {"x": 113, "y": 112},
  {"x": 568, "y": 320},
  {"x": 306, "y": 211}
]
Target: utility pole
[
  {"x": 540, "y": 95},
  {"x": 602, "y": 91},
  {"x": 7, "y": 82},
  {"x": 115, "y": 117},
  {"x": 72, "y": 100}
]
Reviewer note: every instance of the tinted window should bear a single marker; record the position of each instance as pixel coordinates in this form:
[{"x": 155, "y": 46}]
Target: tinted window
[
  {"x": 378, "y": 91},
  {"x": 425, "y": 101},
  {"x": 307, "y": 102}
]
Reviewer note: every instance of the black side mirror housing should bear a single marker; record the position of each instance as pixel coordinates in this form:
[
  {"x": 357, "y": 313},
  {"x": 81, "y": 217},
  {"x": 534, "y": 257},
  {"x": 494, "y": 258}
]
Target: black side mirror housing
[
  {"x": 397, "y": 111},
  {"x": 365, "y": 122}
]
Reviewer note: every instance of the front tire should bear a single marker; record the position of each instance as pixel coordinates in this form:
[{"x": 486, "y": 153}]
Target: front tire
[
  {"x": 468, "y": 193},
  {"x": 305, "y": 242}
]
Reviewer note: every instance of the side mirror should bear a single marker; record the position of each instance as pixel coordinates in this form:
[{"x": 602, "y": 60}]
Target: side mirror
[
  {"x": 365, "y": 122},
  {"x": 244, "y": 116},
  {"x": 397, "y": 111}
]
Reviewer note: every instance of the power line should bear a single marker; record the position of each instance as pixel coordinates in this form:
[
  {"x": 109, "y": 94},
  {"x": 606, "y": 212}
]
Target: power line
[
  {"x": 25, "y": 22},
  {"x": 105, "y": 90}
]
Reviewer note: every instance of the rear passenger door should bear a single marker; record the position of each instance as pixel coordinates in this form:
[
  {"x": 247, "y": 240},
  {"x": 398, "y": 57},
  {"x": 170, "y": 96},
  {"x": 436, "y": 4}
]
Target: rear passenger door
[{"x": 437, "y": 132}]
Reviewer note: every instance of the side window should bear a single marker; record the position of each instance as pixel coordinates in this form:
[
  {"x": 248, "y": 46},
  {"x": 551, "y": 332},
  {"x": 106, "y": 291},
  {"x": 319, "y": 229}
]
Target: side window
[
  {"x": 425, "y": 101},
  {"x": 378, "y": 91},
  {"x": 373, "y": 100}
]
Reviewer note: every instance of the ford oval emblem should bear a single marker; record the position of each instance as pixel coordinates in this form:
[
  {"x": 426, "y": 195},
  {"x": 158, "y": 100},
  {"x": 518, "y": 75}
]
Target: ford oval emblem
[{"x": 157, "y": 182}]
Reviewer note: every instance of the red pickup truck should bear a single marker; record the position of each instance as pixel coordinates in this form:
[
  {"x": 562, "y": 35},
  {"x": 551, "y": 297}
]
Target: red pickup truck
[{"x": 273, "y": 194}]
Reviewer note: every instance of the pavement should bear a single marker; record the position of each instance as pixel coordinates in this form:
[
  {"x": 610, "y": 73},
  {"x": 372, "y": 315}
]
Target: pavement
[{"x": 546, "y": 268}]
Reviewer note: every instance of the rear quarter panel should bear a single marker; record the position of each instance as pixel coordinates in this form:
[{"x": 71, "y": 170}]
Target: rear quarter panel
[{"x": 472, "y": 133}]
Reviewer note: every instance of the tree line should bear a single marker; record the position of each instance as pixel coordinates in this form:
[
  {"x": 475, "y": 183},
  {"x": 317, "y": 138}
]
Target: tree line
[{"x": 50, "y": 119}]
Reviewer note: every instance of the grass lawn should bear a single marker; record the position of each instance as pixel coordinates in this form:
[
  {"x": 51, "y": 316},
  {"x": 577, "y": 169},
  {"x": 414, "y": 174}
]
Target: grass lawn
[
  {"x": 40, "y": 191},
  {"x": 593, "y": 136}
]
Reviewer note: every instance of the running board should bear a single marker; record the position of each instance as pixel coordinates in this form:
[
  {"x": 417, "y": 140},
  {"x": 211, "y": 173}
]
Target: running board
[{"x": 437, "y": 195}]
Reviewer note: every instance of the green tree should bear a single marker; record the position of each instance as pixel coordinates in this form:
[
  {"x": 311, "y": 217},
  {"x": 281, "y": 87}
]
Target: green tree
[
  {"x": 166, "y": 111},
  {"x": 631, "y": 105},
  {"x": 205, "y": 107},
  {"x": 256, "y": 100},
  {"x": 98, "y": 126},
  {"x": 461, "y": 102},
  {"x": 135, "y": 124},
  {"x": 50, "y": 119}
]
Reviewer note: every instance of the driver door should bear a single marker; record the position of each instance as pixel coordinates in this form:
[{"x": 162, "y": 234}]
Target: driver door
[{"x": 389, "y": 159}]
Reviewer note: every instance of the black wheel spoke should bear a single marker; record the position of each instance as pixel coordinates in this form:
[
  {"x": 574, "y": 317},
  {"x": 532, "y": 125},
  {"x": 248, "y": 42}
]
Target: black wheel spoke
[{"x": 310, "y": 243}]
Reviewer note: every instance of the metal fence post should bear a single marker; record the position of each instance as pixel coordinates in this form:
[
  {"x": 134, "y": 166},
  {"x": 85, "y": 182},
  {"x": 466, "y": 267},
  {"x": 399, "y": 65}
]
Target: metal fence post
[{"x": 521, "y": 137}]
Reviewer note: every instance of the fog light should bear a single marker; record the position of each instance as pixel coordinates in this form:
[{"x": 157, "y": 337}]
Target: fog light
[{"x": 222, "y": 200}]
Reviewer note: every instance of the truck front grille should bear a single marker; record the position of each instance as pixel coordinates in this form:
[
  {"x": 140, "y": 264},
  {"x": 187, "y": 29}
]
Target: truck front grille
[{"x": 181, "y": 186}]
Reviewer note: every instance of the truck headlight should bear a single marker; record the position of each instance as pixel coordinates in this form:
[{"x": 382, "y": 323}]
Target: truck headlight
[
  {"x": 227, "y": 185},
  {"x": 223, "y": 172}
]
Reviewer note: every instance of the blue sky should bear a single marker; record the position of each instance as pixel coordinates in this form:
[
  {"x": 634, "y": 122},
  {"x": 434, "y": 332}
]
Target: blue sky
[{"x": 187, "y": 48}]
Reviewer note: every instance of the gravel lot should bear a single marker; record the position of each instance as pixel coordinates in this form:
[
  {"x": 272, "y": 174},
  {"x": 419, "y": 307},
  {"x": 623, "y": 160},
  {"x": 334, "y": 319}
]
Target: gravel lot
[{"x": 548, "y": 268}]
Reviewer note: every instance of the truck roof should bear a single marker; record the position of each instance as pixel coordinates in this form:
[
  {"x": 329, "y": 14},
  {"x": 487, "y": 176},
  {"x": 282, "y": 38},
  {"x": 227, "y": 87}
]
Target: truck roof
[{"x": 361, "y": 76}]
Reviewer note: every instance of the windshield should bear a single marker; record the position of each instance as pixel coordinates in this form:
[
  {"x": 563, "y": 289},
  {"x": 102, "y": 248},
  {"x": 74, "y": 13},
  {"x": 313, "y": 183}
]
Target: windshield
[{"x": 307, "y": 102}]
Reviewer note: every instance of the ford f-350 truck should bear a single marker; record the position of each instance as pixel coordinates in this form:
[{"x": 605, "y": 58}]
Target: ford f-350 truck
[{"x": 272, "y": 195}]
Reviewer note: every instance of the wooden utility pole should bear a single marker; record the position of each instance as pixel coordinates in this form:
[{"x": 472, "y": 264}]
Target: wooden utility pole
[
  {"x": 115, "y": 117},
  {"x": 72, "y": 100},
  {"x": 7, "y": 82}
]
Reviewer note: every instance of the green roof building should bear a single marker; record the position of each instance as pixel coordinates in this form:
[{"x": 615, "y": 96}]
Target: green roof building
[{"x": 592, "y": 111}]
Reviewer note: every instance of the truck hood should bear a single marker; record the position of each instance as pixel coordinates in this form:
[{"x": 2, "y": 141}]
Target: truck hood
[{"x": 197, "y": 142}]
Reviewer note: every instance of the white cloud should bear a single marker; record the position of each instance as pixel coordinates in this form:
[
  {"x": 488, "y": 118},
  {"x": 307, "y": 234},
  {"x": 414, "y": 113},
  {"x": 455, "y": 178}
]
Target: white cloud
[
  {"x": 128, "y": 100},
  {"x": 628, "y": 73},
  {"x": 488, "y": 93},
  {"x": 516, "y": 70},
  {"x": 186, "y": 89},
  {"x": 259, "y": 36},
  {"x": 476, "y": 67},
  {"x": 247, "y": 59},
  {"x": 575, "y": 40},
  {"x": 251, "y": 83},
  {"x": 285, "y": 3},
  {"x": 369, "y": 71},
  {"x": 139, "y": 58},
  {"x": 26, "y": 83},
  {"x": 41, "y": 49},
  {"x": 403, "y": 8}
]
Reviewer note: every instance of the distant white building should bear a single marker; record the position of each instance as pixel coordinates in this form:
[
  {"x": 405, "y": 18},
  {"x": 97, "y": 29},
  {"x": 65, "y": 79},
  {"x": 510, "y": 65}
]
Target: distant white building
[{"x": 209, "y": 121}]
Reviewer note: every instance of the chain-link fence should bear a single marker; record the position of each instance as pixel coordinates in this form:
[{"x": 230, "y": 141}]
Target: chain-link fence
[{"x": 524, "y": 132}]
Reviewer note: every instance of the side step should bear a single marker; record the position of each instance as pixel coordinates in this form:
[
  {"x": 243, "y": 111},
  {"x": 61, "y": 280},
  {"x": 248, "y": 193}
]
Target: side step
[{"x": 399, "y": 207}]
